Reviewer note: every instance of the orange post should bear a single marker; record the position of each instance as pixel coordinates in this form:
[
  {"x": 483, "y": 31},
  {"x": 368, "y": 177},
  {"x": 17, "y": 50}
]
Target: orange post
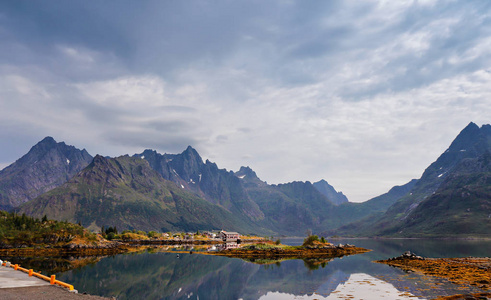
[
  {"x": 30, "y": 272},
  {"x": 16, "y": 266},
  {"x": 53, "y": 279}
]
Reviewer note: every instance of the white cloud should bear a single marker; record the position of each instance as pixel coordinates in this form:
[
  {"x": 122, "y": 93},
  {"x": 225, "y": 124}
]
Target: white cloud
[
  {"x": 130, "y": 93},
  {"x": 78, "y": 55}
]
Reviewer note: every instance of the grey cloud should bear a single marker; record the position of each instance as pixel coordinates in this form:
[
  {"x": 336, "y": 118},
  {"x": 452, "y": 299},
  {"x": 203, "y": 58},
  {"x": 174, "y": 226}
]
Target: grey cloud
[
  {"x": 244, "y": 129},
  {"x": 76, "y": 22},
  {"x": 163, "y": 142},
  {"x": 178, "y": 108},
  {"x": 221, "y": 139},
  {"x": 176, "y": 127}
]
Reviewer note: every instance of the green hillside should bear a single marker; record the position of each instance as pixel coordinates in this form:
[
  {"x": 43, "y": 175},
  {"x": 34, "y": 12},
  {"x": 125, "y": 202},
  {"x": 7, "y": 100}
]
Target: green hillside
[{"x": 127, "y": 193}]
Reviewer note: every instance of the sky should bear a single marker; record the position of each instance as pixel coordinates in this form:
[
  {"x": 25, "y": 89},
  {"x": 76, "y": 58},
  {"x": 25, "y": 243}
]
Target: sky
[{"x": 363, "y": 94}]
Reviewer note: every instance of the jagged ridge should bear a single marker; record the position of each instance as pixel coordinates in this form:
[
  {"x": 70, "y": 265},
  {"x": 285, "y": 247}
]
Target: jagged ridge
[{"x": 47, "y": 165}]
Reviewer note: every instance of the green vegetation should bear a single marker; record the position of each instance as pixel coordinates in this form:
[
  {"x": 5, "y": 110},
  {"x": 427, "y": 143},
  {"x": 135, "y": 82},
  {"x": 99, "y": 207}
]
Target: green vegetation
[
  {"x": 125, "y": 192},
  {"x": 309, "y": 241},
  {"x": 21, "y": 230},
  {"x": 267, "y": 246},
  {"x": 313, "y": 240}
]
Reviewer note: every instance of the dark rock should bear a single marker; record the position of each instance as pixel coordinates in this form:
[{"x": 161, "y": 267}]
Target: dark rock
[
  {"x": 407, "y": 255},
  {"x": 328, "y": 190},
  {"x": 47, "y": 165}
]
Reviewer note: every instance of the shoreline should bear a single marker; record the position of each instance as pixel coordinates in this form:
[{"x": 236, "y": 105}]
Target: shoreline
[
  {"x": 45, "y": 293},
  {"x": 61, "y": 251},
  {"x": 473, "y": 271}
]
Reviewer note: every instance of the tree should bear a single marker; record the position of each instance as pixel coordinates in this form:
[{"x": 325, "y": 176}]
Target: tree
[
  {"x": 110, "y": 236},
  {"x": 310, "y": 240}
]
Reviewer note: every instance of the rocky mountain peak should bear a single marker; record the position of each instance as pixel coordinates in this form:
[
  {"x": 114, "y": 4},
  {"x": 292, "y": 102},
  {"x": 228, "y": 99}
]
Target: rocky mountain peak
[
  {"x": 47, "y": 141},
  {"x": 328, "y": 190},
  {"x": 467, "y": 137},
  {"x": 99, "y": 160},
  {"x": 246, "y": 171},
  {"x": 149, "y": 152},
  {"x": 249, "y": 178},
  {"x": 42, "y": 147},
  {"x": 191, "y": 153},
  {"x": 471, "y": 142},
  {"x": 116, "y": 170},
  {"x": 47, "y": 165}
]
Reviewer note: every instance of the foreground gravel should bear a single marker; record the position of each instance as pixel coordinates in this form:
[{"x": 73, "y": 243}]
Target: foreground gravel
[{"x": 44, "y": 293}]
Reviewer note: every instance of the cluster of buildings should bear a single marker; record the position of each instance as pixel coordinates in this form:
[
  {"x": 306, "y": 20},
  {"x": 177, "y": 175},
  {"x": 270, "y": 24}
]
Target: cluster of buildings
[{"x": 226, "y": 236}]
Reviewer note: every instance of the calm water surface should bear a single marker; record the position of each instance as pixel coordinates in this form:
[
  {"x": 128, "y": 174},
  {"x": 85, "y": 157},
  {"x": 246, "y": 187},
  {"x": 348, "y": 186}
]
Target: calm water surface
[{"x": 193, "y": 276}]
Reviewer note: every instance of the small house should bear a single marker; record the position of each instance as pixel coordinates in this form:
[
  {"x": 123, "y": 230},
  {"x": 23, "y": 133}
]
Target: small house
[{"x": 228, "y": 236}]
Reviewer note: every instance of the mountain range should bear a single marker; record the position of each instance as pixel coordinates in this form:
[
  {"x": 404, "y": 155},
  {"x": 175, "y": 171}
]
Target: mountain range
[
  {"x": 126, "y": 192},
  {"x": 452, "y": 197},
  {"x": 169, "y": 192}
]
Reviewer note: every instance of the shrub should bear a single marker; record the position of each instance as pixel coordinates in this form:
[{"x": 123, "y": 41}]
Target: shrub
[
  {"x": 278, "y": 241},
  {"x": 110, "y": 236},
  {"x": 309, "y": 241}
]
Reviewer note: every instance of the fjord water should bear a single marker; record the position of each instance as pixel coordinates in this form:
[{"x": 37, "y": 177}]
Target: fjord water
[{"x": 193, "y": 276}]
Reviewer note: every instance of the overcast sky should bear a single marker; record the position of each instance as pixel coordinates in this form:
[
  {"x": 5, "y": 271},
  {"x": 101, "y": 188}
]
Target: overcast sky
[{"x": 363, "y": 94}]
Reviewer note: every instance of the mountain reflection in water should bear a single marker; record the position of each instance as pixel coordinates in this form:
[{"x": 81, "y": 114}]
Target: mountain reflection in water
[
  {"x": 357, "y": 286},
  {"x": 194, "y": 276}
]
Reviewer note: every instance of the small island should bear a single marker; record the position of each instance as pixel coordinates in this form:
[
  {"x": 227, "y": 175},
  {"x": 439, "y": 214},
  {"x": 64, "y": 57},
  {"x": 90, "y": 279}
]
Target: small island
[{"x": 313, "y": 247}]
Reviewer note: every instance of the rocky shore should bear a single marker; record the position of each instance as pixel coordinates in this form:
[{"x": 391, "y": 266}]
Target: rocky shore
[
  {"x": 45, "y": 293},
  {"x": 475, "y": 271}
]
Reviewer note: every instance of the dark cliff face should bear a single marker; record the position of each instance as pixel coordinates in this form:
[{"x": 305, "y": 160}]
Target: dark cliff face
[
  {"x": 471, "y": 142},
  {"x": 205, "y": 179},
  {"x": 126, "y": 192},
  {"x": 290, "y": 208},
  {"x": 461, "y": 206},
  {"x": 425, "y": 203},
  {"x": 248, "y": 178},
  {"x": 47, "y": 165},
  {"x": 328, "y": 190}
]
